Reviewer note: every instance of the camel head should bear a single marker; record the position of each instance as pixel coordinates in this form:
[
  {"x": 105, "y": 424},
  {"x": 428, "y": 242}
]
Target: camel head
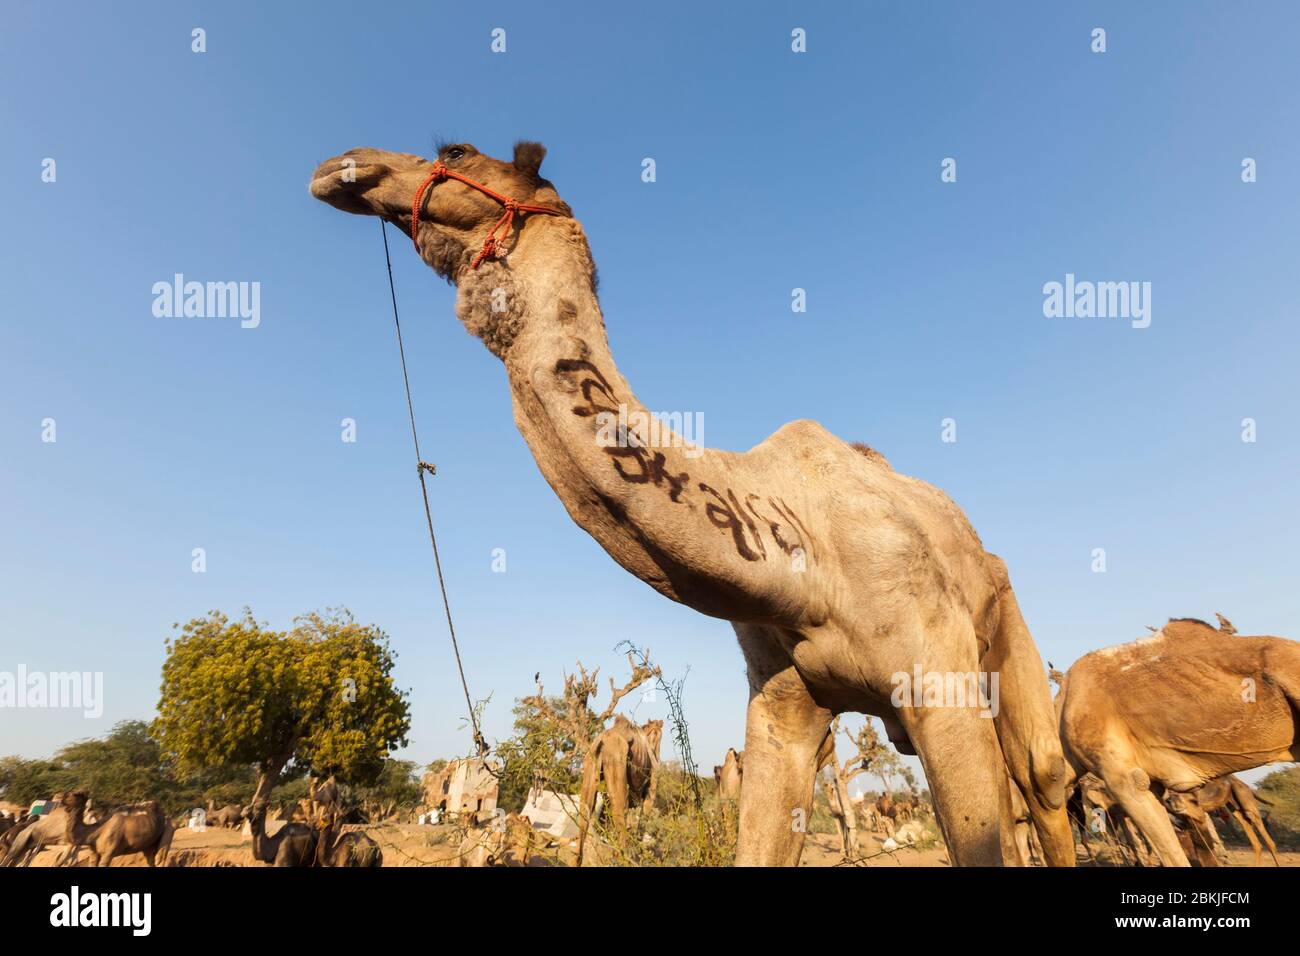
[
  {"x": 654, "y": 733},
  {"x": 455, "y": 219},
  {"x": 74, "y": 800}
]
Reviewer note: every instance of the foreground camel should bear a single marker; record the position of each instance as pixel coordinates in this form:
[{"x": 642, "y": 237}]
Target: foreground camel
[
  {"x": 1225, "y": 795},
  {"x": 838, "y": 573},
  {"x": 626, "y": 757},
  {"x": 294, "y": 844},
  {"x": 138, "y": 828},
  {"x": 728, "y": 777},
  {"x": 1175, "y": 710}
]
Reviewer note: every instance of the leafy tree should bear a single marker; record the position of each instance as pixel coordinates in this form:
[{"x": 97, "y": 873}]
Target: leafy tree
[
  {"x": 22, "y": 781},
  {"x": 1282, "y": 789},
  {"x": 397, "y": 786},
  {"x": 319, "y": 697},
  {"x": 124, "y": 767}
]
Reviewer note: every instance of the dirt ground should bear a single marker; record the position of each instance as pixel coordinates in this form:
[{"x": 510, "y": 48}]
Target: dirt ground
[{"x": 411, "y": 845}]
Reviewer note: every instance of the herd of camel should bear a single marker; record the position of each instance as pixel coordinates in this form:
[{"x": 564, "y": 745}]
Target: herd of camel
[
  {"x": 312, "y": 835},
  {"x": 1137, "y": 712}
]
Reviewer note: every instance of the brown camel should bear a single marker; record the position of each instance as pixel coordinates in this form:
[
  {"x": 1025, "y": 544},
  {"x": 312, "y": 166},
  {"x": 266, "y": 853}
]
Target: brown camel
[
  {"x": 728, "y": 777},
  {"x": 30, "y": 837},
  {"x": 229, "y": 817},
  {"x": 351, "y": 849},
  {"x": 323, "y": 796},
  {"x": 626, "y": 757},
  {"x": 1175, "y": 710},
  {"x": 1224, "y": 796},
  {"x": 137, "y": 828},
  {"x": 840, "y": 575},
  {"x": 294, "y": 844}
]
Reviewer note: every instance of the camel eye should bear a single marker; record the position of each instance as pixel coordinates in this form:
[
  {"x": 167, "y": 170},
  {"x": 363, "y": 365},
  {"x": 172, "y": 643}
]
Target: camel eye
[{"x": 455, "y": 152}]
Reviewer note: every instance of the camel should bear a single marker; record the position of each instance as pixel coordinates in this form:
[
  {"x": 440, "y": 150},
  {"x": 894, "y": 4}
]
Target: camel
[
  {"x": 840, "y": 576},
  {"x": 729, "y": 776},
  {"x": 323, "y": 796},
  {"x": 32, "y": 836},
  {"x": 294, "y": 844},
  {"x": 1173, "y": 711},
  {"x": 626, "y": 757},
  {"x": 1090, "y": 802},
  {"x": 137, "y": 828},
  {"x": 1226, "y": 795},
  {"x": 229, "y": 817},
  {"x": 351, "y": 849}
]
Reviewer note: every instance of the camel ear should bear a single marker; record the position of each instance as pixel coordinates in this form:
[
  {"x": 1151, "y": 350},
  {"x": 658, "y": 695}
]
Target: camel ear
[{"x": 528, "y": 157}]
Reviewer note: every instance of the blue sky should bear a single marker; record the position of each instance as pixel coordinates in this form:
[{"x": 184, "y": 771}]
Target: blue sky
[{"x": 775, "y": 170}]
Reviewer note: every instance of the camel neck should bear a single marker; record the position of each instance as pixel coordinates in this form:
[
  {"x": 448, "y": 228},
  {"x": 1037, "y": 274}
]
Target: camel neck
[{"x": 635, "y": 484}]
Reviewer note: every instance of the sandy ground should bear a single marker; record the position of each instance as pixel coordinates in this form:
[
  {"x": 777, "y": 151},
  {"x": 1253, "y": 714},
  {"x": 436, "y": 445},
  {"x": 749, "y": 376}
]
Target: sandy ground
[{"x": 410, "y": 845}]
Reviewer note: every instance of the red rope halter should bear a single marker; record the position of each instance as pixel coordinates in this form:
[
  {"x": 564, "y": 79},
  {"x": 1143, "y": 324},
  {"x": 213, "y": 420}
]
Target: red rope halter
[{"x": 493, "y": 243}]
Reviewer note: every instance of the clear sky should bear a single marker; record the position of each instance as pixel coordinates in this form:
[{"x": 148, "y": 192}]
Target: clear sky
[{"x": 775, "y": 170}]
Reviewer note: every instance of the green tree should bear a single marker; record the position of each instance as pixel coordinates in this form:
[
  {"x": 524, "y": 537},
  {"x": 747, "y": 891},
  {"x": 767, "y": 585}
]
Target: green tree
[
  {"x": 320, "y": 697},
  {"x": 22, "y": 781},
  {"x": 126, "y": 766},
  {"x": 397, "y": 787}
]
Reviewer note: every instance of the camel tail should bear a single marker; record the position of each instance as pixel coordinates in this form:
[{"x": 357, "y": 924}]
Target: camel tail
[{"x": 1263, "y": 799}]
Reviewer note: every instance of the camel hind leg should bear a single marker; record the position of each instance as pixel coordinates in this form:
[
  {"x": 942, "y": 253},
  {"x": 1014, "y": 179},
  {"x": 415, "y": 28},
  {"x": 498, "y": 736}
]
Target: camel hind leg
[
  {"x": 1247, "y": 829},
  {"x": 1026, "y": 724},
  {"x": 1132, "y": 789}
]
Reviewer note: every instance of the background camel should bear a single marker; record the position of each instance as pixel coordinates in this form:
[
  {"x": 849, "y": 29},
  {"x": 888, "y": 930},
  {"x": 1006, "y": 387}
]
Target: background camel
[
  {"x": 837, "y": 572},
  {"x": 625, "y": 757},
  {"x": 1175, "y": 710},
  {"x": 138, "y": 828},
  {"x": 294, "y": 844},
  {"x": 728, "y": 777},
  {"x": 335, "y": 848},
  {"x": 28, "y": 838},
  {"x": 323, "y": 796},
  {"x": 228, "y": 817},
  {"x": 1227, "y": 795}
]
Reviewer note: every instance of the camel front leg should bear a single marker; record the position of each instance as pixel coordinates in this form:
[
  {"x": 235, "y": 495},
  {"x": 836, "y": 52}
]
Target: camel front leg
[
  {"x": 963, "y": 764},
  {"x": 784, "y": 732}
]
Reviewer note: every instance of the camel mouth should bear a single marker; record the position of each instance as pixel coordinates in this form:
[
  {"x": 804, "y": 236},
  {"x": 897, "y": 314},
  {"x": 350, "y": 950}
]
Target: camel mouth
[{"x": 342, "y": 181}]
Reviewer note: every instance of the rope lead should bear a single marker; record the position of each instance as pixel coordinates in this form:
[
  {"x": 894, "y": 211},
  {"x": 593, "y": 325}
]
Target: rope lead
[{"x": 422, "y": 467}]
